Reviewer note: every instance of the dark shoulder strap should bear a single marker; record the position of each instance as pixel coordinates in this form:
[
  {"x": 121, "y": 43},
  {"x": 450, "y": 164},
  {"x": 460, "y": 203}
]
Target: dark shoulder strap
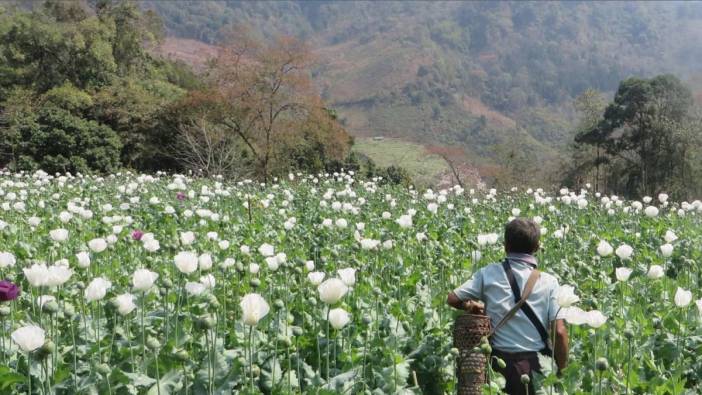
[{"x": 526, "y": 309}]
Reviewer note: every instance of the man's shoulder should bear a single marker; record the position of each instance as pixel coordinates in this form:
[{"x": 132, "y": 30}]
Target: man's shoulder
[
  {"x": 549, "y": 279},
  {"x": 496, "y": 269},
  {"x": 491, "y": 271}
]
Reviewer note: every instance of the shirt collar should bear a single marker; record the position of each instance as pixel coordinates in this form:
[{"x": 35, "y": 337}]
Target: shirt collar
[{"x": 526, "y": 259}]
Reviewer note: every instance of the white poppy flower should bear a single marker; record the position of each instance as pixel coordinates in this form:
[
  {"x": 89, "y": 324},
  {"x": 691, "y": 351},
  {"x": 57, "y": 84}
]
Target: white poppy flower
[
  {"x": 254, "y": 308},
  {"x": 59, "y": 235},
  {"x": 338, "y": 318},
  {"x": 565, "y": 296},
  {"x": 623, "y": 273},
  {"x": 266, "y": 250},
  {"x": 37, "y": 275},
  {"x": 655, "y": 272},
  {"x": 194, "y": 289},
  {"x": 143, "y": 279},
  {"x": 405, "y": 221},
  {"x": 29, "y": 338},
  {"x": 604, "y": 248},
  {"x": 125, "y": 303},
  {"x": 332, "y": 290},
  {"x": 316, "y": 278},
  {"x": 208, "y": 281},
  {"x": 682, "y": 297},
  {"x": 348, "y": 276},
  {"x": 58, "y": 275},
  {"x": 97, "y": 289},
  {"x": 205, "y": 261},
  {"x": 624, "y": 251},
  {"x": 97, "y": 245},
  {"x": 7, "y": 260},
  {"x": 186, "y": 262},
  {"x": 595, "y": 318},
  {"x": 651, "y": 211},
  {"x": 670, "y": 236}
]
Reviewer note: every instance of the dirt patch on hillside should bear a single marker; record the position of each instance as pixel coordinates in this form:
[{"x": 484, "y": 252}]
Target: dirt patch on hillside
[
  {"x": 192, "y": 52},
  {"x": 476, "y": 107}
]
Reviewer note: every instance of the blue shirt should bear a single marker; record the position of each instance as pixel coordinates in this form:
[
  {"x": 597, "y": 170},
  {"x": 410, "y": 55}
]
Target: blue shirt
[{"x": 490, "y": 285}]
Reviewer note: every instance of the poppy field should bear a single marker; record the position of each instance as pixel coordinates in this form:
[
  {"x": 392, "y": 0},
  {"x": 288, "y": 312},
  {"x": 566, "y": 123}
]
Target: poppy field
[{"x": 324, "y": 284}]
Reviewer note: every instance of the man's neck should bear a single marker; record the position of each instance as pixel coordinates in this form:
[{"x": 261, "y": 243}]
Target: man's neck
[{"x": 519, "y": 257}]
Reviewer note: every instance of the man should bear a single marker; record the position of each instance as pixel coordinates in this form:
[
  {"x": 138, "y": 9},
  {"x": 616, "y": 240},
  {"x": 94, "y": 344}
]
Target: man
[{"x": 519, "y": 339}]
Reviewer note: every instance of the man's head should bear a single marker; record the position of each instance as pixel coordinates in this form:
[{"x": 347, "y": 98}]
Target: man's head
[{"x": 522, "y": 236}]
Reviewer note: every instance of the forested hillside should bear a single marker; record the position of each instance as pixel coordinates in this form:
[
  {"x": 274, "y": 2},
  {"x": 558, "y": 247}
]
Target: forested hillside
[
  {"x": 82, "y": 92},
  {"x": 510, "y": 93},
  {"x": 483, "y": 76}
]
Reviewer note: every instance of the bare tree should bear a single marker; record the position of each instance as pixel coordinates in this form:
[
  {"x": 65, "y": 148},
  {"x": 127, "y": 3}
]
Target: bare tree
[
  {"x": 268, "y": 87},
  {"x": 209, "y": 149},
  {"x": 456, "y": 159}
]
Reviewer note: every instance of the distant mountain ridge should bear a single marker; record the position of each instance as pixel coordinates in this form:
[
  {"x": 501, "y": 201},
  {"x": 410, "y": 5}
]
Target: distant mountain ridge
[{"x": 478, "y": 75}]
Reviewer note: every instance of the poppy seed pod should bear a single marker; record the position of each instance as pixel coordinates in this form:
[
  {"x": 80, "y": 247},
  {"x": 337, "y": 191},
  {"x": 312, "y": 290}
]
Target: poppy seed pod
[
  {"x": 501, "y": 363},
  {"x": 152, "y": 343},
  {"x": 602, "y": 364}
]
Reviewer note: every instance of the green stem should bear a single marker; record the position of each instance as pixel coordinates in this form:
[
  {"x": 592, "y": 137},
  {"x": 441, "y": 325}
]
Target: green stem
[
  {"x": 2, "y": 339},
  {"x": 328, "y": 342},
  {"x": 143, "y": 332},
  {"x": 29, "y": 375},
  {"x": 628, "y": 367},
  {"x": 275, "y": 344},
  {"x": 97, "y": 326},
  {"x": 46, "y": 383},
  {"x": 209, "y": 362},
  {"x": 251, "y": 357},
  {"x": 489, "y": 369},
  {"x": 158, "y": 374}
]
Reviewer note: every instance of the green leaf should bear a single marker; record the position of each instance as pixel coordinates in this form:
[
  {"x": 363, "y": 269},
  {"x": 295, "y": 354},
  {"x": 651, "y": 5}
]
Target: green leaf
[
  {"x": 9, "y": 378},
  {"x": 139, "y": 379},
  {"x": 170, "y": 383}
]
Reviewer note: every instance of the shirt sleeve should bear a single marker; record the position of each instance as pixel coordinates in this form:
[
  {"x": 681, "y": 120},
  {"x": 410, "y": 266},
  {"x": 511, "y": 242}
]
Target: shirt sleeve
[
  {"x": 471, "y": 289},
  {"x": 553, "y": 307}
]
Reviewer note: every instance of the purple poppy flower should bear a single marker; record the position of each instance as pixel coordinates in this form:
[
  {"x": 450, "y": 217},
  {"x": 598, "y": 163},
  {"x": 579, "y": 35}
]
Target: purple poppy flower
[
  {"x": 180, "y": 196},
  {"x": 137, "y": 234},
  {"x": 8, "y": 291}
]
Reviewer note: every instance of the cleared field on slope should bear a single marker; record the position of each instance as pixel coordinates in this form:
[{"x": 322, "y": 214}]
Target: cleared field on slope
[{"x": 424, "y": 168}]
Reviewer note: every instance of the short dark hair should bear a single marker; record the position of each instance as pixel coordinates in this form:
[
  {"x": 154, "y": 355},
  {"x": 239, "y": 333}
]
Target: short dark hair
[{"x": 522, "y": 235}]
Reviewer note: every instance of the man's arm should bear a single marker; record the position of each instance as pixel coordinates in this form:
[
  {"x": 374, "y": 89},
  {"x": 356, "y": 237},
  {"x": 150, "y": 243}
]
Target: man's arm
[
  {"x": 560, "y": 347},
  {"x": 453, "y": 301},
  {"x": 468, "y": 295},
  {"x": 471, "y": 306}
]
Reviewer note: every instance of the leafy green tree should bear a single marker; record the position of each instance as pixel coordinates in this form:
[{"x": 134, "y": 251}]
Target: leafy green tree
[
  {"x": 52, "y": 135},
  {"x": 642, "y": 129},
  {"x": 134, "y": 31},
  {"x": 586, "y": 158},
  {"x": 86, "y": 80}
]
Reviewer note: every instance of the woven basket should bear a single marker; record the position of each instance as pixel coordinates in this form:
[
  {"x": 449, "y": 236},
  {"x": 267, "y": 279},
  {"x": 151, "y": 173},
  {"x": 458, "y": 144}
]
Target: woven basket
[{"x": 468, "y": 330}]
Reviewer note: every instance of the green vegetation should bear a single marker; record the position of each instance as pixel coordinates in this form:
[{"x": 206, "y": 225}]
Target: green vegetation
[
  {"x": 423, "y": 167},
  {"x": 474, "y": 74},
  {"x": 646, "y": 140},
  {"x": 81, "y": 91},
  {"x": 492, "y": 87}
]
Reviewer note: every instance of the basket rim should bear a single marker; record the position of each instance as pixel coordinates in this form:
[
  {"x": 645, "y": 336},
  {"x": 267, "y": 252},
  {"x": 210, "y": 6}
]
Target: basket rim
[{"x": 467, "y": 314}]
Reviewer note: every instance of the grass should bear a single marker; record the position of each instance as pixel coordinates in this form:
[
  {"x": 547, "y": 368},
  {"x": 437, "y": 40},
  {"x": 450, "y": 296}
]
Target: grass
[{"x": 424, "y": 168}]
